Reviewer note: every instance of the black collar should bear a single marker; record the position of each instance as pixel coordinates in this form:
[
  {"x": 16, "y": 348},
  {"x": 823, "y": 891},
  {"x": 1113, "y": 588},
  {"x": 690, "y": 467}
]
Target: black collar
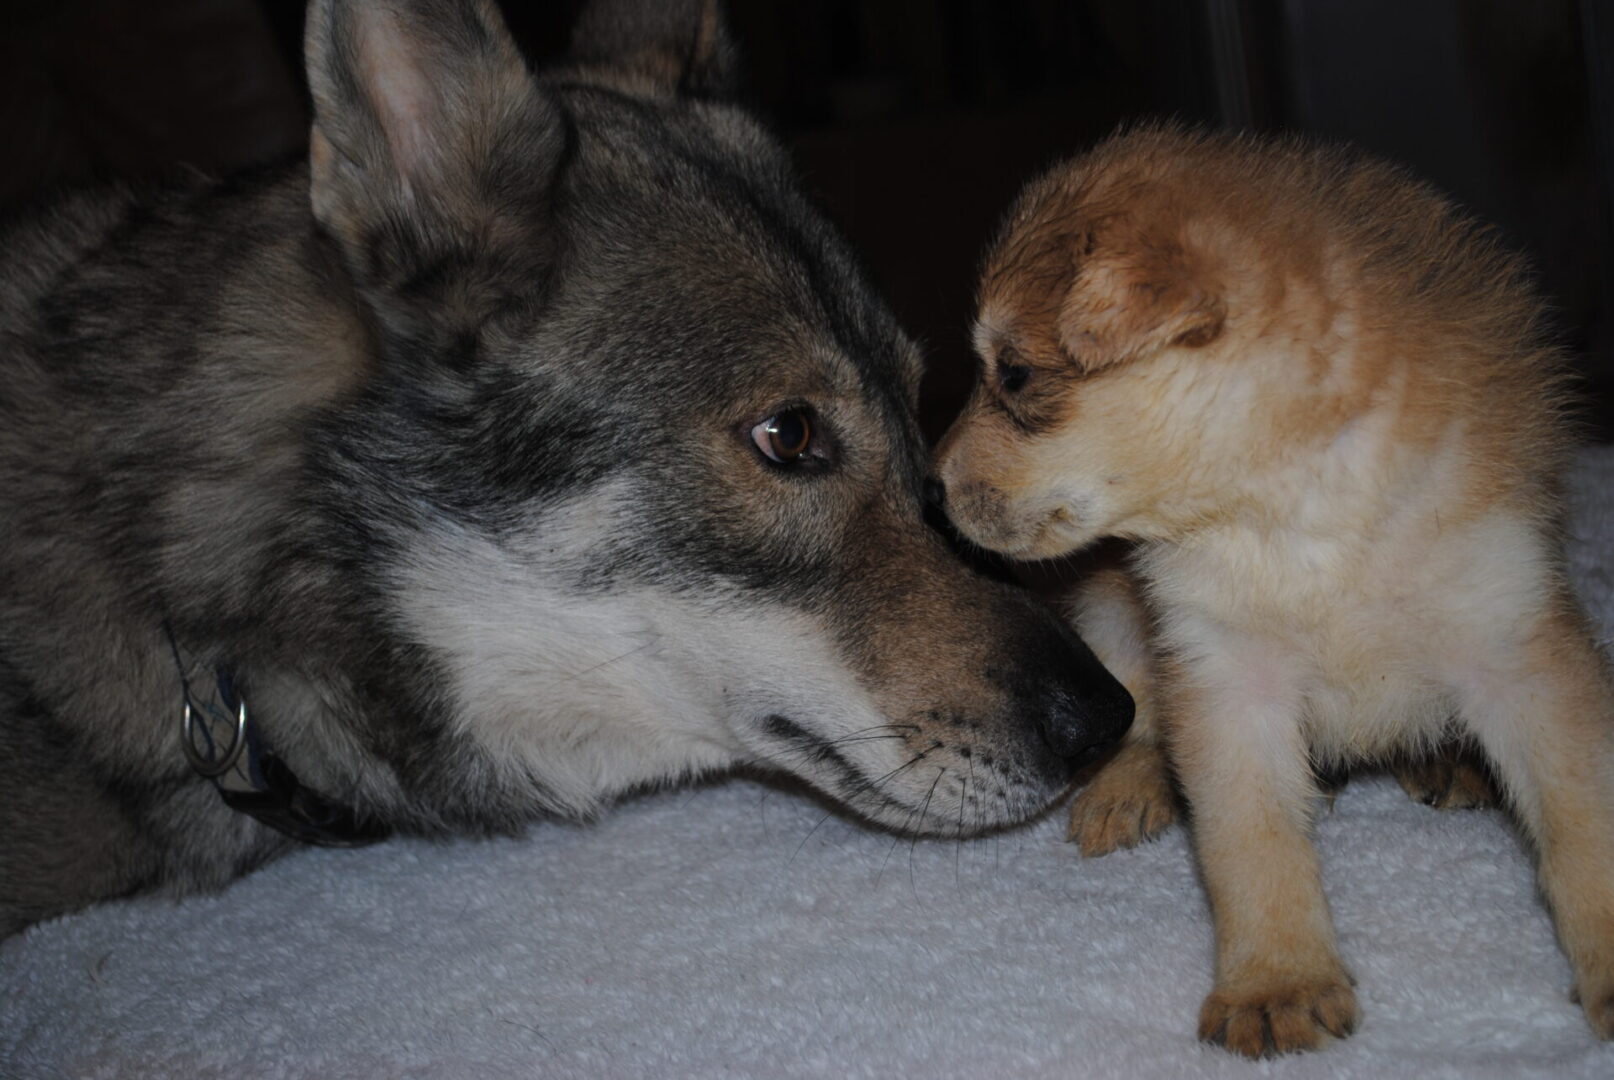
[{"x": 223, "y": 745}]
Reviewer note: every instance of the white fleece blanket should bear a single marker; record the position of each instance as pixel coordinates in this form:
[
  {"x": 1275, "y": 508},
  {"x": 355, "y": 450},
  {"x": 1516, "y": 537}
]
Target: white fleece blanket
[{"x": 740, "y": 930}]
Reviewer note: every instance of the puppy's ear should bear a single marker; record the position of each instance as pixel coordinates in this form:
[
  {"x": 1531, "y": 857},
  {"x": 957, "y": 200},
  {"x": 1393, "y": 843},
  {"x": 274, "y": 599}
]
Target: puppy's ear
[
  {"x": 1134, "y": 295},
  {"x": 431, "y": 143},
  {"x": 664, "y": 46}
]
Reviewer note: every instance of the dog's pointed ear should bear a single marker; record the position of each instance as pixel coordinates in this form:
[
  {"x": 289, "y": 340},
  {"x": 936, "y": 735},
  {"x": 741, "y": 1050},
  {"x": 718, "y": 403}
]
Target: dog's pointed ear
[
  {"x": 663, "y": 46},
  {"x": 1134, "y": 294},
  {"x": 430, "y": 137}
]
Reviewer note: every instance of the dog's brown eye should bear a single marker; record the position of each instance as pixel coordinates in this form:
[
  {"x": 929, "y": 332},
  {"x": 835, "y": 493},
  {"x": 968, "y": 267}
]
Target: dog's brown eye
[
  {"x": 784, "y": 437},
  {"x": 1013, "y": 376}
]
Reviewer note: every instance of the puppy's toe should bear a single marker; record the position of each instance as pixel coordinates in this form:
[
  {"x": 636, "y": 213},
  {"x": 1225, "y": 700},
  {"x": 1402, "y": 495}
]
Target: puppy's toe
[
  {"x": 1451, "y": 780},
  {"x": 1279, "y": 1019},
  {"x": 1128, "y": 802},
  {"x": 1098, "y": 826}
]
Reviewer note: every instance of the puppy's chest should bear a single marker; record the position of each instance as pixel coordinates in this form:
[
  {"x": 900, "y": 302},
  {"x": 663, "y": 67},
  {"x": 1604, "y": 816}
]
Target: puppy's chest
[{"x": 1347, "y": 638}]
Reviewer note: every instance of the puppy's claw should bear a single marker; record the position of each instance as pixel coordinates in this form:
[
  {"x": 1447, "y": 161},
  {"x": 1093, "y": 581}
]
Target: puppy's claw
[
  {"x": 1128, "y": 802},
  {"x": 1451, "y": 780},
  {"x": 1103, "y": 820},
  {"x": 1099, "y": 830},
  {"x": 1278, "y": 1021}
]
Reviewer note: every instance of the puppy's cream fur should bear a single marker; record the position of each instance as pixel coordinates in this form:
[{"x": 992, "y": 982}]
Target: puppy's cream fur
[{"x": 1320, "y": 400}]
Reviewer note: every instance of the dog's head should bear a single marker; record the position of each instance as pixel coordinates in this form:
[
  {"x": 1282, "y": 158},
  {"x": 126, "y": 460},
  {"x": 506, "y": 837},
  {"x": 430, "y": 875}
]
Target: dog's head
[
  {"x": 1142, "y": 330},
  {"x": 639, "y": 450}
]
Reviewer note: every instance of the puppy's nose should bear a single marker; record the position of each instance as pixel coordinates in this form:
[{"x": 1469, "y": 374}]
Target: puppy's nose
[{"x": 935, "y": 492}]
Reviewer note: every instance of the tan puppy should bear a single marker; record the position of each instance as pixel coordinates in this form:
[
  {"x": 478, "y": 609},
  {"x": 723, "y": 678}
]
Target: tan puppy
[{"x": 1320, "y": 401}]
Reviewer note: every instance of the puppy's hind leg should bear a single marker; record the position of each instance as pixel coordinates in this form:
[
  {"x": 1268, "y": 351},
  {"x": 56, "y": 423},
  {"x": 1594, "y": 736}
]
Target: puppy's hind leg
[
  {"x": 1453, "y": 776},
  {"x": 1130, "y": 798},
  {"x": 1543, "y": 709}
]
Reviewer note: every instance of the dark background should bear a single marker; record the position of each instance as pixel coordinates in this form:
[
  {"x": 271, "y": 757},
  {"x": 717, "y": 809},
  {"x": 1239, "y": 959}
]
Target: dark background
[{"x": 915, "y": 121}]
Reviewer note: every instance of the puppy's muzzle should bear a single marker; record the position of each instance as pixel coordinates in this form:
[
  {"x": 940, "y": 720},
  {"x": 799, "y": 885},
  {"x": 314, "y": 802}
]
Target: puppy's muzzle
[{"x": 982, "y": 560}]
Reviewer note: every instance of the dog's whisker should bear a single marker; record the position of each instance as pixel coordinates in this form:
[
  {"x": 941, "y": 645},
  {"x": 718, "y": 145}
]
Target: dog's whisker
[
  {"x": 607, "y": 663},
  {"x": 869, "y": 785},
  {"x": 913, "y": 845},
  {"x": 875, "y": 727},
  {"x": 860, "y": 738},
  {"x": 958, "y": 838},
  {"x": 897, "y": 839},
  {"x": 827, "y": 815}
]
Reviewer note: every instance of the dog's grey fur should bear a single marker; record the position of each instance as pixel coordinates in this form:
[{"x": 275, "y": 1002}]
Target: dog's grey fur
[{"x": 442, "y": 443}]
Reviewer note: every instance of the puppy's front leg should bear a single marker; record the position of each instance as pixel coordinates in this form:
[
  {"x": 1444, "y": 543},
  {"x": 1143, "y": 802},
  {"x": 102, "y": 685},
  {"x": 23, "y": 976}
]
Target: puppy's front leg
[{"x": 1235, "y": 739}]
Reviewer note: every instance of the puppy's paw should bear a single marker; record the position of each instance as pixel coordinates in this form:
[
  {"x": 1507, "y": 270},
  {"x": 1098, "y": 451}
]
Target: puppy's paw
[
  {"x": 1450, "y": 780},
  {"x": 1599, "y": 1007},
  {"x": 1280, "y": 1018},
  {"x": 1130, "y": 800}
]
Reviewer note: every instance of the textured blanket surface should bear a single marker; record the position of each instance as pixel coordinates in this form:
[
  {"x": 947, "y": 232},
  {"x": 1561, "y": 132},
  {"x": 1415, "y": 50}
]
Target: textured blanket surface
[{"x": 739, "y": 929}]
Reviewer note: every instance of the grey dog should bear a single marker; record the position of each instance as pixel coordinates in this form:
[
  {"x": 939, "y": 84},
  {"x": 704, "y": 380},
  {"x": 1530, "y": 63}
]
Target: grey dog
[{"x": 532, "y": 441}]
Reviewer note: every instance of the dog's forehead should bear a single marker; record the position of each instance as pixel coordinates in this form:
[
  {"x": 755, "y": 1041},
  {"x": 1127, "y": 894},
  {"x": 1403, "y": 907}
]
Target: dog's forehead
[{"x": 690, "y": 224}]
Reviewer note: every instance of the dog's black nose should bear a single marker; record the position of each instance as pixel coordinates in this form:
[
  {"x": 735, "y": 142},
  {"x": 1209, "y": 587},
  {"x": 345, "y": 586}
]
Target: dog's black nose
[
  {"x": 1078, "y": 728},
  {"x": 1081, "y": 709},
  {"x": 935, "y": 492}
]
